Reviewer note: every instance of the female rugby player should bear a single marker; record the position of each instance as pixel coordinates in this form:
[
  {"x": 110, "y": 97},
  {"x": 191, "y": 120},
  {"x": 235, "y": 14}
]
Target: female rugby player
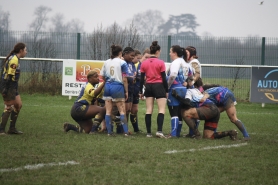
[
  {"x": 115, "y": 72},
  {"x": 83, "y": 109},
  {"x": 9, "y": 88}
]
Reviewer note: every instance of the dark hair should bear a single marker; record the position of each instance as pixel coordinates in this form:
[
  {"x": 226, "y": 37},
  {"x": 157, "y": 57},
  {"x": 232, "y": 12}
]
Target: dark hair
[
  {"x": 180, "y": 51},
  {"x": 198, "y": 83},
  {"x": 127, "y": 50},
  {"x": 147, "y": 50},
  {"x": 115, "y": 50},
  {"x": 137, "y": 52},
  {"x": 192, "y": 51},
  {"x": 19, "y": 46},
  {"x": 154, "y": 47}
]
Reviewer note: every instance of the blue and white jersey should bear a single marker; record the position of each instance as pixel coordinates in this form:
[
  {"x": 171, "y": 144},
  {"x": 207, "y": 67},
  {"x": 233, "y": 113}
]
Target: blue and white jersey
[
  {"x": 131, "y": 76},
  {"x": 195, "y": 96},
  {"x": 219, "y": 95},
  {"x": 180, "y": 69},
  {"x": 113, "y": 70}
]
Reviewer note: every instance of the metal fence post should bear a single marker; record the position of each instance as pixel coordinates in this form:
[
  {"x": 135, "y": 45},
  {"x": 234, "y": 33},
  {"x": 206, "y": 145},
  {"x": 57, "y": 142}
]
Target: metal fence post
[
  {"x": 263, "y": 51},
  {"x": 169, "y": 46},
  {"x": 78, "y": 45}
]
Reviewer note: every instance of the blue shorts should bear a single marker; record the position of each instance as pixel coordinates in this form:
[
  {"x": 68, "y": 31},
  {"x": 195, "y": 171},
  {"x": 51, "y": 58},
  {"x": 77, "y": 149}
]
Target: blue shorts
[
  {"x": 181, "y": 91},
  {"x": 114, "y": 91}
]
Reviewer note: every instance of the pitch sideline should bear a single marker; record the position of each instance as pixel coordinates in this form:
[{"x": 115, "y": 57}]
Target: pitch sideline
[
  {"x": 37, "y": 166},
  {"x": 205, "y": 148}
]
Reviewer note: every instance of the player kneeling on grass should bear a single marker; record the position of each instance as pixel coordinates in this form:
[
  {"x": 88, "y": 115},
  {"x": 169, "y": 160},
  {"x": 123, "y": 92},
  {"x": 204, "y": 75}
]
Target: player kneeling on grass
[
  {"x": 83, "y": 109},
  {"x": 195, "y": 105}
]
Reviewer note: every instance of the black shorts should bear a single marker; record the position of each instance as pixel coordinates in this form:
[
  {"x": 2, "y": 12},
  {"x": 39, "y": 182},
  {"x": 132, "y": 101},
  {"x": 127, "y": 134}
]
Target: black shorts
[
  {"x": 135, "y": 99},
  {"x": 210, "y": 114},
  {"x": 130, "y": 97},
  {"x": 155, "y": 90},
  {"x": 78, "y": 112},
  {"x": 9, "y": 92}
]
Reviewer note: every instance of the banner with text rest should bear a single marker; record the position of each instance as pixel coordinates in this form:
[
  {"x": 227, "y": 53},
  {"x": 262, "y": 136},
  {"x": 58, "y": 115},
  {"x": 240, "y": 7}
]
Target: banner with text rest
[
  {"x": 75, "y": 75},
  {"x": 264, "y": 85}
]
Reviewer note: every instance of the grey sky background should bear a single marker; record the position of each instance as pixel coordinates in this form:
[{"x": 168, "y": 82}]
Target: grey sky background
[{"x": 232, "y": 18}]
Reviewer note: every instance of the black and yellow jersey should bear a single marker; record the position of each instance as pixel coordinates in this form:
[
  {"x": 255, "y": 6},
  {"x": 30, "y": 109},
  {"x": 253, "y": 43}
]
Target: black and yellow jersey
[
  {"x": 101, "y": 92},
  {"x": 88, "y": 95},
  {"x": 12, "y": 67}
]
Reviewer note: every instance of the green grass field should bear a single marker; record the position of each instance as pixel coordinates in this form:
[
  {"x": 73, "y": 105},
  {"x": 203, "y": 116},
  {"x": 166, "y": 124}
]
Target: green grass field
[{"x": 44, "y": 154}]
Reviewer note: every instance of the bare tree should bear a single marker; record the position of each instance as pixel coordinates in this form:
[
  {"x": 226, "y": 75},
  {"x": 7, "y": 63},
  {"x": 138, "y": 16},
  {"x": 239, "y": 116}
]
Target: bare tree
[
  {"x": 4, "y": 20},
  {"x": 58, "y": 24},
  {"x": 41, "y": 18},
  {"x": 101, "y": 39},
  {"x": 178, "y": 22},
  {"x": 147, "y": 22},
  {"x": 76, "y": 26}
]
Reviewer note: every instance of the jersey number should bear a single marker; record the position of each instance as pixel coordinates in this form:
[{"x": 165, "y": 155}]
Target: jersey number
[{"x": 111, "y": 71}]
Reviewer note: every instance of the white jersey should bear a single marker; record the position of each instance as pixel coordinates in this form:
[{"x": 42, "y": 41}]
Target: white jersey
[
  {"x": 114, "y": 69},
  {"x": 180, "y": 69},
  {"x": 194, "y": 95},
  {"x": 196, "y": 66}
]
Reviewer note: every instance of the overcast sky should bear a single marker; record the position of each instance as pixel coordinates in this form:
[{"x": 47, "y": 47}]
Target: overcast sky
[{"x": 235, "y": 18}]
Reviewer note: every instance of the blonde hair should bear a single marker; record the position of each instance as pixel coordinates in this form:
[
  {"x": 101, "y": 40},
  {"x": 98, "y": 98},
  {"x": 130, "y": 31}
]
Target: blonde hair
[{"x": 91, "y": 73}]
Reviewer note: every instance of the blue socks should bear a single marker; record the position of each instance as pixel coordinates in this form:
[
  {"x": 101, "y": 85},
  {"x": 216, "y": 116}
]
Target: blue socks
[
  {"x": 179, "y": 129},
  {"x": 124, "y": 123},
  {"x": 241, "y": 127},
  {"x": 174, "y": 126},
  {"x": 191, "y": 132},
  {"x": 108, "y": 124}
]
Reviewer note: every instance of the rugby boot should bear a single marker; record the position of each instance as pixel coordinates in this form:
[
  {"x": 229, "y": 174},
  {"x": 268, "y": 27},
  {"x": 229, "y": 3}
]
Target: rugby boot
[
  {"x": 68, "y": 127},
  {"x": 14, "y": 131}
]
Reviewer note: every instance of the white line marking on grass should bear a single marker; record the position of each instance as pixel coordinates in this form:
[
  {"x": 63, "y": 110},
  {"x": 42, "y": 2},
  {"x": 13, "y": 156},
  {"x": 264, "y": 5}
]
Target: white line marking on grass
[
  {"x": 205, "y": 148},
  {"x": 37, "y": 166}
]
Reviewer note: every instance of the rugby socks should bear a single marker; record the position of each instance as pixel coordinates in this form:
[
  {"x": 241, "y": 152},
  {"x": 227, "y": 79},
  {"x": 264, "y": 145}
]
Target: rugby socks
[
  {"x": 148, "y": 121},
  {"x": 179, "y": 129},
  {"x": 174, "y": 126},
  {"x": 119, "y": 129},
  {"x": 96, "y": 124},
  {"x": 14, "y": 116},
  {"x": 134, "y": 122},
  {"x": 4, "y": 119},
  {"x": 192, "y": 125},
  {"x": 108, "y": 124},
  {"x": 124, "y": 123},
  {"x": 191, "y": 132},
  {"x": 241, "y": 127},
  {"x": 218, "y": 135},
  {"x": 160, "y": 120}
]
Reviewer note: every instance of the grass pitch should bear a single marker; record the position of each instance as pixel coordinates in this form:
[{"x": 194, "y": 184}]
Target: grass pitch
[{"x": 44, "y": 154}]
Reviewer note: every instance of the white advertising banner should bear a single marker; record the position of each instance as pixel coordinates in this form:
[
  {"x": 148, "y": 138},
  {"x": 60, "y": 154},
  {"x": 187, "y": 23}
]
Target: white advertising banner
[{"x": 75, "y": 75}]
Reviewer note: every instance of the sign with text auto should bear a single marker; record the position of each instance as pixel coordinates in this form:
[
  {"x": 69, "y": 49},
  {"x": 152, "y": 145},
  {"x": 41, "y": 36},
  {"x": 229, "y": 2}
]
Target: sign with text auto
[{"x": 264, "y": 85}]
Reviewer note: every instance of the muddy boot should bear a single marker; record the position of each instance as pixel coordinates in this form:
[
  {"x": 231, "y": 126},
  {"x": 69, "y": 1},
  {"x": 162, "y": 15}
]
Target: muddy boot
[
  {"x": 12, "y": 129},
  {"x": 4, "y": 119}
]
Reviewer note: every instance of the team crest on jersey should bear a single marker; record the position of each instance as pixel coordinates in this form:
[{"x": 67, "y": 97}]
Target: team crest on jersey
[{"x": 13, "y": 66}]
